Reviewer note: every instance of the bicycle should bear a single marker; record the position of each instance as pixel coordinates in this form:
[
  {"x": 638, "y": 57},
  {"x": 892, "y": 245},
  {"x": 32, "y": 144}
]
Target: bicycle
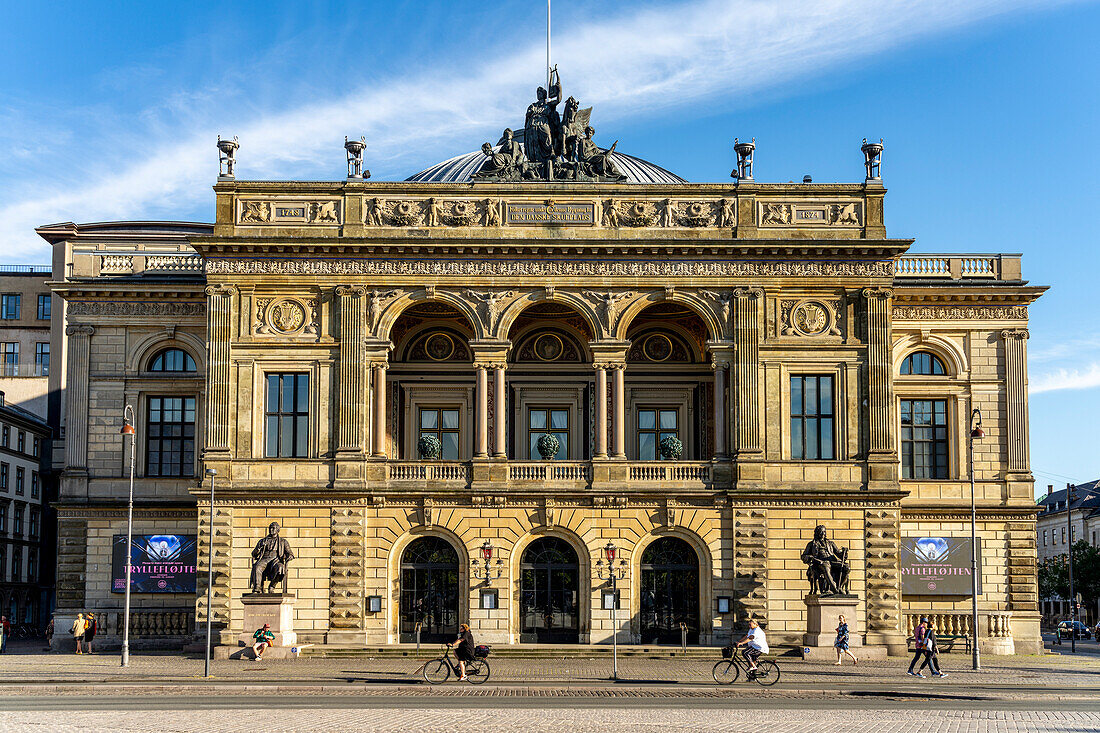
[
  {"x": 437, "y": 671},
  {"x": 728, "y": 669}
]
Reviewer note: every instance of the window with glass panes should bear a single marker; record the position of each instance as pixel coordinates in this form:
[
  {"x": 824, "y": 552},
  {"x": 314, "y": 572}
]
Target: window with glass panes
[
  {"x": 9, "y": 306},
  {"x": 33, "y": 529},
  {"x": 5, "y": 436},
  {"x": 170, "y": 441},
  {"x": 17, "y": 521},
  {"x": 5, "y": 475},
  {"x": 287, "y": 429},
  {"x": 32, "y": 564},
  {"x": 34, "y": 484},
  {"x": 553, "y": 420},
  {"x": 812, "y": 418},
  {"x": 21, "y": 442},
  {"x": 3, "y": 564},
  {"x": 11, "y": 359},
  {"x": 42, "y": 359},
  {"x": 442, "y": 422},
  {"x": 3, "y": 518},
  {"x": 20, "y": 480},
  {"x": 924, "y": 450},
  {"x": 654, "y": 425},
  {"x": 16, "y": 564},
  {"x": 43, "y": 306}
]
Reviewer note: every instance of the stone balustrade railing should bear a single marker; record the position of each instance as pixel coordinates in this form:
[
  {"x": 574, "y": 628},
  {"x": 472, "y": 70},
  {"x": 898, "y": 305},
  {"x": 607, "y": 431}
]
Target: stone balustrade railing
[
  {"x": 957, "y": 267},
  {"x": 671, "y": 472},
  {"x": 452, "y": 471},
  {"x": 991, "y": 624},
  {"x": 558, "y": 471},
  {"x": 578, "y": 474},
  {"x": 162, "y": 622},
  {"x": 112, "y": 264}
]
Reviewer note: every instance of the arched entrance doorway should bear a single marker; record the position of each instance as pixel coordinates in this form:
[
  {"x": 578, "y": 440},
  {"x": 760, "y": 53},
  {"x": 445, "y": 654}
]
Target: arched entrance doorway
[
  {"x": 549, "y": 593},
  {"x": 669, "y": 592},
  {"x": 429, "y": 590}
]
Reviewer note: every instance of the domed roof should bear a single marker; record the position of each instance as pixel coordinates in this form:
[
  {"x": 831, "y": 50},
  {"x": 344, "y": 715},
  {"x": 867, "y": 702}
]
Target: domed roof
[{"x": 461, "y": 169}]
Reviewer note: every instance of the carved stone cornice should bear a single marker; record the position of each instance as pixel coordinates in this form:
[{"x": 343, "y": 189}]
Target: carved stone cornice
[
  {"x": 959, "y": 312},
  {"x": 1021, "y": 334},
  {"x": 134, "y": 308}
]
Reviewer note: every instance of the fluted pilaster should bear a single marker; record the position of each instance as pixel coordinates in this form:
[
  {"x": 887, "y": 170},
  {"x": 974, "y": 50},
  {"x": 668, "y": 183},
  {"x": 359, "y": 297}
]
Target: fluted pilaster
[
  {"x": 879, "y": 382},
  {"x": 745, "y": 373},
  {"x": 350, "y": 375},
  {"x": 76, "y": 397},
  {"x": 219, "y": 320},
  {"x": 1019, "y": 454}
]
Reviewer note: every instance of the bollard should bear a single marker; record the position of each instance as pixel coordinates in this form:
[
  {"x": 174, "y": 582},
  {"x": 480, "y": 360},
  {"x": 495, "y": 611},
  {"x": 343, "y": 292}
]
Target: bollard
[{"x": 683, "y": 637}]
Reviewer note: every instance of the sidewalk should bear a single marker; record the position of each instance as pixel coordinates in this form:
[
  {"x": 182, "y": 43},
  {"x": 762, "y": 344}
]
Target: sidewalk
[{"x": 28, "y": 671}]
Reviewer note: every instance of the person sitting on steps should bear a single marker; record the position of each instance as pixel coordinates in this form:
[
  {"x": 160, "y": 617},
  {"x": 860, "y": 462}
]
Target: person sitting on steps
[{"x": 264, "y": 639}]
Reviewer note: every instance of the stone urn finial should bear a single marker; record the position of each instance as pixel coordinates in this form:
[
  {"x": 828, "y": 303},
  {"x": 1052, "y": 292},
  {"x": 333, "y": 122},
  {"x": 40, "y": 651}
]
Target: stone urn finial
[{"x": 227, "y": 161}]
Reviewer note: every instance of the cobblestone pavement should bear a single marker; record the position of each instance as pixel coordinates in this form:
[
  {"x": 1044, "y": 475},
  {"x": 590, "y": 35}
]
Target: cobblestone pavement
[{"x": 636, "y": 720}]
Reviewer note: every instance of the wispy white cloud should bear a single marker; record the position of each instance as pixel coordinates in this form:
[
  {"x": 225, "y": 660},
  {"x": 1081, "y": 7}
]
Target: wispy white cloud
[
  {"x": 1062, "y": 379},
  {"x": 631, "y": 64}
]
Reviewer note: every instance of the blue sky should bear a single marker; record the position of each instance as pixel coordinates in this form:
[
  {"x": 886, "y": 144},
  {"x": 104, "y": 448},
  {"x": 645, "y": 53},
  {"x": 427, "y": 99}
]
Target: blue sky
[{"x": 988, "y": 108}]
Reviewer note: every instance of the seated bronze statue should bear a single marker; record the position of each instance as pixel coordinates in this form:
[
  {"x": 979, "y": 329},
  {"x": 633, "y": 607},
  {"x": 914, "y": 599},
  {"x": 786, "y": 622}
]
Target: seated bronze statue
[
  {"x": 827, "y": 566},
  {"x": 269, "y": 561}
]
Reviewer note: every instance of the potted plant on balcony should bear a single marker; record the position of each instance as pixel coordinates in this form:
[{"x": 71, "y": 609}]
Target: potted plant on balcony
[
  {"x": 672, "y": 448},
  {"x": 429, "y": 447},
  {"x": 548, "y": 446}
]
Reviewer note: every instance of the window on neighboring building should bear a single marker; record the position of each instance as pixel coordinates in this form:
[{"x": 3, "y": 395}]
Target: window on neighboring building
[
  {"x": 443, "y": 424},
  {"x": 32, "y": 565},
  {"x": 1072, "y": 534},
  {"x": 17, "y": 521},
  {"x": 21, "y": 442},
  {"x": 172, "y": 360},
  {"x": 921, "y": 362},
  {"x": 1063, "y": 535},
  {"x": 3, "y": 564},
  {"x": 20, "y": 480},
  {"x": 812, "y": 417},
  {"x": 11, "y": 359},
  {"x": 16, "y": 563},
  {"x": 33, "y": 525},
  {"x": 542, "y": 420},
  {"x": 42, "y": 359},
  {"x": 34, "y": 485},
  {"x": 654, "y": 425},
  {"x": 9, "y": 306},
  {"x": 5, "y": 437},
  {"x": 5, "y": 474},
  {"x": 170, "y": 445},
  {"x": 1044, "y": 538},
  {"x": 924, "y": 439},
  {"x": 3, "y": 517},
  {"x": 287, "y": 415},
  {"x": 36, "y": 447},
  {"x": 44, "y": 302}
]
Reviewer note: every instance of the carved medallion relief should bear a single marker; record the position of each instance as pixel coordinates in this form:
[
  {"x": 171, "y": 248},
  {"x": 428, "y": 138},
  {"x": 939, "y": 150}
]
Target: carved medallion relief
[
  {"x": 286, "y": 316},
  {"x": 810, "y": 317}
]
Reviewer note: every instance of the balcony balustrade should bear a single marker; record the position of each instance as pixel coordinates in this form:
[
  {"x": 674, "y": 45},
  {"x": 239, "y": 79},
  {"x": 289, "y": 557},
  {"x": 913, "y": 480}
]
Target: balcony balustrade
[{"x": 654, "y": 475}]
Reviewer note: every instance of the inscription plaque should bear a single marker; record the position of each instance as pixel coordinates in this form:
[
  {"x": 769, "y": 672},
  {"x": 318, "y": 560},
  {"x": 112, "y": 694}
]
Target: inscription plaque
[{"x": 540, "y": 213}]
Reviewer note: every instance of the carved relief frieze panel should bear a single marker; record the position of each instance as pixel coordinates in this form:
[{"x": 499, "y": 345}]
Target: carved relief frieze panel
[
  {"x": 959, "y": 312},
  {"x": 809, "y": 214}
]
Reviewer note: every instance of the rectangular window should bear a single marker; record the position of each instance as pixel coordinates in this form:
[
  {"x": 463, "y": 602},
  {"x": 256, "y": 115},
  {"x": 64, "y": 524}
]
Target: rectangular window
[
  {"x": 17, "y": 521},
  {"x": 654, "y": 425},
  {"x": 287, "y": 415},
  {"x": 3, "y": 518},
  {"x": 1072, "y": 534},
  {"x": 33, "y": 528},
  {"x": 34, "y": 484},
  {"x": 36, "y": 447},
  {"x": 5, "y": 437},
  {"x": 20, "y": 480},
  {"x": 9, "y": 306},
  {"x": 11, "y": 359},
  {"x": 170, "y": 445},
  {"x": 3, "y": 564},
  {"x": 42, "y": 359},
  {"x": 442, "y": 423},
  {"x": 16, "y": 563},
  {"x": 812, "y": 418},
  {"x": 32, "y": 564},
  {"x": 543, "y": 420},
  {"x": 1063, "y": 535},
  {"x": 21, "y": 442},
  {"x": 924, "y": 439},
  {"x": 44, "y": 306},
  {"x": 1044, "y": 538},
  {"x": 5, "y": 474}
]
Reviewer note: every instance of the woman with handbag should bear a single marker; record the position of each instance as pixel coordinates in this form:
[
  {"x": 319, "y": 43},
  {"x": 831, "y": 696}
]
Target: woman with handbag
[
  {"x": 931, "y": 653},
  {"x": 842, "y": 640}
]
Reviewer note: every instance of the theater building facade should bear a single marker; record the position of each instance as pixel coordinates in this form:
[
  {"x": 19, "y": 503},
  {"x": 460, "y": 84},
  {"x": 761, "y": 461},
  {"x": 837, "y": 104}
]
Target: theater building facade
[{"x": 373, "y": 365}]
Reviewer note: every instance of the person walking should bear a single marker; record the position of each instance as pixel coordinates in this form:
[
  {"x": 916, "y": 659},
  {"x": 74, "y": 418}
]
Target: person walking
[
  {"x": 931, "y": 653},
  {"x": 49, "y": 632},
  {"x": 3, "y": 634},
  {"x": 78, "y": 629},
  {"x": 918, "y": 638},
  {"x": 263, "y": 639},
  {"x": 90, "y": 630},
  {"x": 842, "y": 640}
]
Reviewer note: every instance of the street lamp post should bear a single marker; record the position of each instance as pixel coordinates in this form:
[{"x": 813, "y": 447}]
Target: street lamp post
[
  {"x": 211, "y": 473},
  {"x": 487, "y": 557},
  {"x": 128, "y": 429},
  {"x": 1071, "y": 491},
  {"x": 613, "y": 575},
  {"x": 976, "y": 432}
]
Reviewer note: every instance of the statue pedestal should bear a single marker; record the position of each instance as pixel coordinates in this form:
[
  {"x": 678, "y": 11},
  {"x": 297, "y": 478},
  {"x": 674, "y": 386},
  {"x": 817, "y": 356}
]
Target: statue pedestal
[
  {"x": 823, "y": 616},
  {"x": 276, "y": 609}
]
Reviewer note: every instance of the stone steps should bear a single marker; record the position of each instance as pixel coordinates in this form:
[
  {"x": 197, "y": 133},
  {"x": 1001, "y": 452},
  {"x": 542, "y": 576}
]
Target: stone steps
[{"x": 525, "y": 651}]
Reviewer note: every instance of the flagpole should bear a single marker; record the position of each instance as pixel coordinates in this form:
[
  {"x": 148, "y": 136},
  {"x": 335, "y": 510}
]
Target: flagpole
[{"x": 547, "y": 48}]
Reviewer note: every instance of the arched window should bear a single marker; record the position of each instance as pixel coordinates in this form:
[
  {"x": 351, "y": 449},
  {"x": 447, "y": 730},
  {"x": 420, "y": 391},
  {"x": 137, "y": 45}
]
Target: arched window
[
  {"x": 172, "y": 360},
  {"x": 923, "y": 363}
]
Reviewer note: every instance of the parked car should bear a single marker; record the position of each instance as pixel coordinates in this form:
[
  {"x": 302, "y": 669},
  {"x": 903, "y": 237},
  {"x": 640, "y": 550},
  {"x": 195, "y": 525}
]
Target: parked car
[{"x": 1066, "y": 629}]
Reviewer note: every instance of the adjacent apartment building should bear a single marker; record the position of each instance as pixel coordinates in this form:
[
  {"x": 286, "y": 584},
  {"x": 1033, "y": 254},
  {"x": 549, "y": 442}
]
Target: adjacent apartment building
[{"x": 26, "y": 309}]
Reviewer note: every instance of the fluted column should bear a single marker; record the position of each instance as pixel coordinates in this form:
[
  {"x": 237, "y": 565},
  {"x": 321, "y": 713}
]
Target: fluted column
[
  {"x": 618, "y": 411},
  {"x": 745, "y": 373},
  {"x": 1019, "y": 458},
  {"x": 350, "y": 388},
  {"x": 879, "y": 382},
  {"x": 219, "y": 332},
  {"x": 481, "y": 416},
  {"x": 76, "y": 397},
  {"x": 378, "y": 435},
  {"x": 500, "y": 413},
  {"x": 599, "y": 407}
]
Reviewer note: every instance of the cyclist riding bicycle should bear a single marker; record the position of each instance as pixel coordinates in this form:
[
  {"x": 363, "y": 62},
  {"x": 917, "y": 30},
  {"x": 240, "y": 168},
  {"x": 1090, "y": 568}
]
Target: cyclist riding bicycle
[
  {"x": 756, "y": 644},
  {"x": 465, "y": 651}
]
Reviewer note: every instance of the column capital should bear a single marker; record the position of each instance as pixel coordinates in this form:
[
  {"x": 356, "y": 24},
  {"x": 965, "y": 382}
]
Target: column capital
[
  {"x": 80, "y": 330},
  {"x": 878, "y": 293},
  {"x": 609, "y": 365},
  {"x": 220, "y": 289},
  {"x": 350, "y": 291},
  {"x": 609, "y": 351},
  {"x": 749, "y": 293},
  {"x": 1021, "y": 334},
  {"x": 490, "y": 353},
  {"x": 490, "y": 365}
]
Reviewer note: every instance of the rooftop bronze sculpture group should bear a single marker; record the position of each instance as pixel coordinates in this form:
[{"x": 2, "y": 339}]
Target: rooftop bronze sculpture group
[{"x": 553, "y": 147}]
